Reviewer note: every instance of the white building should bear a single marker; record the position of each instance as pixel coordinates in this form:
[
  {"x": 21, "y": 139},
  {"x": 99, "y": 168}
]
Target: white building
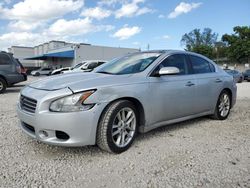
[{"x": 63, "y": 54}]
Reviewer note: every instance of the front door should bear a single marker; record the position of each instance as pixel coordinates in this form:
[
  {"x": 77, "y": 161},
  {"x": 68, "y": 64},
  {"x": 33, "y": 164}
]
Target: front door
[{"x": 173, "y": 96}]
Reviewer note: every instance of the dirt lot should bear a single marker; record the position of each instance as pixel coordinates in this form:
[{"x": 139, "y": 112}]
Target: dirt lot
[{"x": 196, "y": 153}]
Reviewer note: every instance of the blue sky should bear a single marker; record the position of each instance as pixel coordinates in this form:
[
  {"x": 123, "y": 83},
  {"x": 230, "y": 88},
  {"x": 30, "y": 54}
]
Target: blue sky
[{"x": 124, "y": 23}]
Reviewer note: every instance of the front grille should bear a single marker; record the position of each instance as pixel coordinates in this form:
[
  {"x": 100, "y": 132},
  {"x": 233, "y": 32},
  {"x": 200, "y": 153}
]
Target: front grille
[{"x": 28, "y": 104}]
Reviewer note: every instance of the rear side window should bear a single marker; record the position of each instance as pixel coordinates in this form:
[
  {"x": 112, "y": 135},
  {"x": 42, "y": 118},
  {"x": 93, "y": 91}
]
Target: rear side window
[
  {"x": 100, "y": 63},
  {"x": 45, "y": 69},
  {"x": 4, "y": 59},
  {"x": 177, "y": 60},
  {"x": 201, "y": 65}
]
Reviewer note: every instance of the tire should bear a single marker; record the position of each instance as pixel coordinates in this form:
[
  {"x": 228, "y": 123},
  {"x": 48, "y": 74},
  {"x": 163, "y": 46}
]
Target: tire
[
  {"x": 37, "y": 74},
  {"x": 113, "y": 124},
  {"x": 3, "y": 85},
  {"x": 223, "y": 106}
]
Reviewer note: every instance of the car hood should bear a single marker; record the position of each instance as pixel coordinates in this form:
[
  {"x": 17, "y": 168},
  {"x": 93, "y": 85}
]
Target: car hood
[{"x": 80, "y": 81}]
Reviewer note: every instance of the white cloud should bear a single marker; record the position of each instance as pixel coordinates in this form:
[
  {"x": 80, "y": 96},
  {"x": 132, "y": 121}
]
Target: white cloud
[
  {"x": 183, "y": 8},
  {"x": 126, "y": 32},
  {"x": 40, "y": 10},
  {"x": 60, "y": 30},
  {"x": 110, "y": 2},
  {"x": 24, "y": 25},
  {"x": 161, "y": 16},
  {"x": 22, "y": 39},
  {"x": 71, "y": 27},
  {"x": 166, "y": 37},
  {"x": 76, "y": 27},
  {"x": 97, "y": 13},
  {"x": 132, "y": 9}
]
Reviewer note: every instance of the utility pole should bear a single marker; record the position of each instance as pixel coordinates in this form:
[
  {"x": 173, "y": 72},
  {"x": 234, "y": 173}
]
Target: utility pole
[{"x": 148, "y": 47}]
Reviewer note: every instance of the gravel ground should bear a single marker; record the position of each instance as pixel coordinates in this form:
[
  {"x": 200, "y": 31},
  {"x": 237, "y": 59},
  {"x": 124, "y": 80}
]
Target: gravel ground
[{"x": 196, "y": 153}]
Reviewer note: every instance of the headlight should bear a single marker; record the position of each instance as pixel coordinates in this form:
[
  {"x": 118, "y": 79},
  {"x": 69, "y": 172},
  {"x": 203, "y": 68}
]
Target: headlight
[{"x": 72, "y": 103}]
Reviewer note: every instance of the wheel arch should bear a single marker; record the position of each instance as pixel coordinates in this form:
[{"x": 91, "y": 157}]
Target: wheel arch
[
  {"x": 1, "y": 76},
  {"x": 137, "y": 104}
]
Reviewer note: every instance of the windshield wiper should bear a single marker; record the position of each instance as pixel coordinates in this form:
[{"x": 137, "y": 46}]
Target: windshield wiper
[{"x": 104, "y": 72}]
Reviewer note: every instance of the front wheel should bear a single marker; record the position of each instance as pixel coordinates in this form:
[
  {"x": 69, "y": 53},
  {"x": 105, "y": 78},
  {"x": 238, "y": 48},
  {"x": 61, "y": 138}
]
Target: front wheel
[
  {"x": 223, "y": 106},
  {"x": 117, "y": 127}
]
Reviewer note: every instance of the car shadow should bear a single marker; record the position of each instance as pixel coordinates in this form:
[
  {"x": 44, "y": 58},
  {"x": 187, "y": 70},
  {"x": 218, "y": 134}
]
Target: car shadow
[
  {"x": 12, "y": 90},
  {"x": 17, "y": 85}
]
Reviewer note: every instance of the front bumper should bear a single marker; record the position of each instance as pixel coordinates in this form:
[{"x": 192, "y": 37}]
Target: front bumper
[{"x": 79, "y": 126}]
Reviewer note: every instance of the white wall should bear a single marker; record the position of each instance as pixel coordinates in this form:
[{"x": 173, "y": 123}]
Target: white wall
[
  {"x": 24, "y": 52},
  {"x": 82, "y": 52},
  {"x": 90, "y": 52}
]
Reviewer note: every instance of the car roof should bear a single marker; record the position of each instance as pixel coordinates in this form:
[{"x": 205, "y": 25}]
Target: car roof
[{"x": 170, "y": 51}]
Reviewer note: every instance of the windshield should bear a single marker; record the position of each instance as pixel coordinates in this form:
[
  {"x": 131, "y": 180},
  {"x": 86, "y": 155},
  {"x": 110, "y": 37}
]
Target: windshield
[
  {"x": 130, "y": 64},
  {"x": 78, "y": 65}
]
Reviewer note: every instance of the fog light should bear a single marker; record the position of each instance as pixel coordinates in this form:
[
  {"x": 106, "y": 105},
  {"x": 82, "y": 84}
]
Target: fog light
[{"x": 43, "y": 134}]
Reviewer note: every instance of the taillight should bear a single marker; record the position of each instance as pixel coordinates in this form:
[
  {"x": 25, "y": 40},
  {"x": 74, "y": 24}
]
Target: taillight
[
  {"x": 18, "y": 69},
  {"x": 23, "y": 70}
]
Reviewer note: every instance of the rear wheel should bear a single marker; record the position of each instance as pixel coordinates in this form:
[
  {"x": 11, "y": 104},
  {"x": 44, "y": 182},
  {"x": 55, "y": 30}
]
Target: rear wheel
[
  {"x": 3, "y": 85},
  {"x": 118, "y": 127},
  {"x": 223, "y": 106}
]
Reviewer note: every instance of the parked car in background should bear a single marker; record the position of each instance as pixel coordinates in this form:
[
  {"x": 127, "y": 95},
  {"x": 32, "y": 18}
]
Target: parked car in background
[
  {"x": 246, "y": 75},
  {"x": 86, "y": 66},
  {"x": 59, "y": 71},
  {"x": 11, "y": 71},
  {"x": 137, "y": 92},
  {"x": 237, "y": 75},
  {"x": 42, "y": 71}
]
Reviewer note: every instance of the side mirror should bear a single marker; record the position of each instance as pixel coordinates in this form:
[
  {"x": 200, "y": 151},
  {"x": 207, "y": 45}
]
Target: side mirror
[{"x": 169, "y": 71}]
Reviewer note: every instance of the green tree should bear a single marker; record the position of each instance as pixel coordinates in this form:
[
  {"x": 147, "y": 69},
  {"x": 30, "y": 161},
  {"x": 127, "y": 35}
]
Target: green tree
[
  {"x": 238, "y": 44},
  {"x": 199, "y": 41}
]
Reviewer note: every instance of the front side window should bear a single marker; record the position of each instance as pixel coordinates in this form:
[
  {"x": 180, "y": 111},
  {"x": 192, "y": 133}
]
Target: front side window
[
  {"x": 200, "y": 65},
  {"x": 4, "y": 59},
  {"x": 130, "y": 64},
  {"x": 178, "y": 60}
]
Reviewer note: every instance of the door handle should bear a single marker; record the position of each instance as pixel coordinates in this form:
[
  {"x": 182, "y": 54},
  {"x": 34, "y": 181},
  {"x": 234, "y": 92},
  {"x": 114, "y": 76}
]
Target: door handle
[
  {"x": 218, "y": 80},
  {"x": 189, "y": 84}
]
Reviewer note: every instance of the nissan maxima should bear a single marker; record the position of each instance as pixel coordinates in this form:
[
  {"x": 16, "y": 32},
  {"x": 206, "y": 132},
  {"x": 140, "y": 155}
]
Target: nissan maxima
[{"x": 135, "y": 93}]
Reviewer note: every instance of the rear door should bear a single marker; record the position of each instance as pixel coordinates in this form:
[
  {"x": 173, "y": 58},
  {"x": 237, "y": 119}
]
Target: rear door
[
  {"x": 172, "y": 95},
  {"x": 45, "y": 71},
  {"x": 208, "y": 83}
]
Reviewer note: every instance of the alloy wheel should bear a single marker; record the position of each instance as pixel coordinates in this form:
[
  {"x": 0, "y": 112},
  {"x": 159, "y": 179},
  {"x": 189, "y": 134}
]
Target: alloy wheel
[
  {"x": 123, "y": 128},
  {"x": 224, "y": 105},
  {"x": 1, "y": 86}
]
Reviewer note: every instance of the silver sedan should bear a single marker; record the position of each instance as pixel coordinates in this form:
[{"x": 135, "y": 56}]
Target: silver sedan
[{"x": 134, "y": 93}]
